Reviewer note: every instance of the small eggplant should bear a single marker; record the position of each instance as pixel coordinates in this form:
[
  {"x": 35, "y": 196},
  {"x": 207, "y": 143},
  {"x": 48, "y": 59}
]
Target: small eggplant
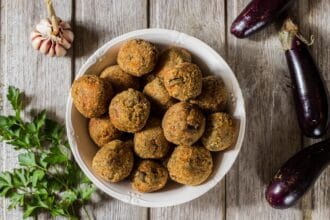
[
  {"x": 296, "y": 176},
  {"x": 310, "y": 94},
  {"x": 256, "y": 15}
]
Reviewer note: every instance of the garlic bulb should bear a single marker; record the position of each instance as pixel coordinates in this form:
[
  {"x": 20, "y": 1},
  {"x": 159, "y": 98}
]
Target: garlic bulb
[{"x": 53, "y": 44}]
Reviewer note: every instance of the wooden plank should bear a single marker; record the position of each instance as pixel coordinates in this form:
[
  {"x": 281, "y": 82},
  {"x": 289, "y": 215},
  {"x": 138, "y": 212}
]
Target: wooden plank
[
  {"x": 97, "y": 22},
  {"x": 316, "y": 202},
  {"x": 45, "y": 81},
  {"x": 2, "y": 96},
  {"x": 272, "y": 133},
  {"x": 206, "y": 21}
]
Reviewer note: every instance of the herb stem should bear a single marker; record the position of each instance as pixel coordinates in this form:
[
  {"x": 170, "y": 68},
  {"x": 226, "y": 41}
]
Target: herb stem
[
  {"x": 59, "y": 180},
  {"x": 23, "y": 190},
  {"x": 87, "y": 214}
]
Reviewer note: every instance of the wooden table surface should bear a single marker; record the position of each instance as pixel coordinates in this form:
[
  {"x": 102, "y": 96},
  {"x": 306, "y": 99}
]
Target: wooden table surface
[{"x": 272, "y": 133}]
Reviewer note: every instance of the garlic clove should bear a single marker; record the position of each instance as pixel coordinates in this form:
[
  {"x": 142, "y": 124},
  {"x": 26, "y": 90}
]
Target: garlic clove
[
  {"x": 34, "y": 34},
  {"x": 45, "y": 45},
  {"x": 68, "y": 35},
  {"x": 65, "y": 25},
  {"x": 65, "y": 43},
  {"x": 51, "y": 51},
  {"x": 59, "y": 50},
  {"x": 36, "y": 43}
]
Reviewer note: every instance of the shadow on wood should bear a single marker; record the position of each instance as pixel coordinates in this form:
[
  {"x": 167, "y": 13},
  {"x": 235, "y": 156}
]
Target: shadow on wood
[{"x": 86, "y": 41}]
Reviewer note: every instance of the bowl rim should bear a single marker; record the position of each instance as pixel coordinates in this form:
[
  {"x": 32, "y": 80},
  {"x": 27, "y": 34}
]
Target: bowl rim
[{"x": 73, "y": 145}]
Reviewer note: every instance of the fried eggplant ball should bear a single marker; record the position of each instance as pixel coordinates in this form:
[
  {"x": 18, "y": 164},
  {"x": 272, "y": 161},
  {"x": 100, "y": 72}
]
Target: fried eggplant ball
[
  {"x": 114, "y": 161},
  {"x": 129, "y": 111},
  {"x": 183, "y": 124},
  {"x": 214, "y": 95},
  {"x": 137, "y": 57},
  {"x": 119, "y": 79},
  {"x": 158, "y": 95},
  {"x": 220, "y": 132},
  {"x": 91, "y": 95},
  {"x": 150, "y": 142},
  {"x": 149, "y": 176},
  {"x": 183, "y": 81},
  {"x": 190, "y": 165},
  {"x": 102, "y": 130},
  {"x": 170, "y": 58}
]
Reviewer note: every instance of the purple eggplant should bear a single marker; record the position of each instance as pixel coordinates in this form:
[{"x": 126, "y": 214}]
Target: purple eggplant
[
  {"x": 297, "y": 175},
  {"x": 256, "y": 15},
  {"x": 310, "y": 94}
]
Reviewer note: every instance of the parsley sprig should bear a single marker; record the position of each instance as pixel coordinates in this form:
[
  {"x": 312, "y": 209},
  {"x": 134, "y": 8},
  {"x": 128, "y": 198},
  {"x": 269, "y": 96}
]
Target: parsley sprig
[{"x": 48, "y": 179}]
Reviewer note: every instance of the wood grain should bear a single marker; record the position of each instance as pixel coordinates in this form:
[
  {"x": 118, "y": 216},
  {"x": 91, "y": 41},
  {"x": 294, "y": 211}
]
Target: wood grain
[
  {"x": 97, "y": 22},
  {"x": 205, "y": 21},
  {"x": 2, "y": 94},
  {"x": 316, "y": 18},
  {"x": 45, "y": 81},
  {"x": 272, "y": 133}
]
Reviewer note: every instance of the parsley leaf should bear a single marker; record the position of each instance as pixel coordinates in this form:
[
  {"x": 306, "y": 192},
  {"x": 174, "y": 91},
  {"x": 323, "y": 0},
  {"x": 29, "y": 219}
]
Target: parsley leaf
[
  {"x": 56, "y": 156},
  {"x": 48, "y": 180},
  {"x": 28, "y": 211},
  {"x": 37, "y": 176},
  {"x": 15, "y": 98},
  {"x": 27, "y": 159}
]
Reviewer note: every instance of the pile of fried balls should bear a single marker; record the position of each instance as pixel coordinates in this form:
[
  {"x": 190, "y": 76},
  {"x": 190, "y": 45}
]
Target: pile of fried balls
[{"x": 154, "y": 117}]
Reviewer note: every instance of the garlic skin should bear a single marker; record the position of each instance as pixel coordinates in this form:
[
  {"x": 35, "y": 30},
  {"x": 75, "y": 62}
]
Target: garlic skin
[{"x": 43, "y": 39}]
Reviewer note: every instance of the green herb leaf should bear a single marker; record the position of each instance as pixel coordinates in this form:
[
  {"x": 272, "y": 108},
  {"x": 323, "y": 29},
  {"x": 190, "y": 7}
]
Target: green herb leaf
[
  {"x": 15, "y": 98},
  {"x": 40, "y": 120},
  {"x": 57, "y": 212},
  {"x": 5, "y": 179},
  {"x": 5, "y": 183},
  {"x": 27, "y": 159},
  {"x": 53, "y": 131},
  {"x": 86, "y": 191},
  {"x": 29, "y": 211},
  {"x": 48, "y": 180},
  {"x": 21, "y": 177},
  {"x": 15, "y": 200},
  {"x": 56, "y": 156},
  {"x": 37, "y": 176},
  {"x": 69, "y": 197},
  {"x": 42, "y": 161}
]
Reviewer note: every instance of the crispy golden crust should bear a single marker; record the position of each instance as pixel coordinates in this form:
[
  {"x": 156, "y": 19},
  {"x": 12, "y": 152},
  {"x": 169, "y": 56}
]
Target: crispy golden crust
[
  {"x": 170, "y": 58},
  {"x": 119, "y": 79},
  {"x": 91, "y": 95},
  {"x": 220, "y": 132},
  {"x": 129, "y": 111},
  {"x": 150, "y": 143},
  {"x": 214, "y": 95},
  {"x": 184, "y": 81},
  {"x": 158, "y": 95},
  {"x": 137, "y": 57},
  {"x": 114, "y": 161},
  {"x": 183, "y": 124},
  {"x": 149, "y": 177},
  {"x": 190, "y": 165},
  {"x": 102, "y": 131}
]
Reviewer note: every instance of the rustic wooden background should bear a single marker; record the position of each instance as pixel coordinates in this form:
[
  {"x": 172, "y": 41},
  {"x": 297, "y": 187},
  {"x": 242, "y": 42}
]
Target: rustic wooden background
[{"x": 272, "y": 134}]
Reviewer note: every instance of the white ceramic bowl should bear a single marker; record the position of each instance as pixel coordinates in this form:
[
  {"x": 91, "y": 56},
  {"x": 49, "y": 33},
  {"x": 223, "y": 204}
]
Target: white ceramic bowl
[{"x": 173, "y": 194}]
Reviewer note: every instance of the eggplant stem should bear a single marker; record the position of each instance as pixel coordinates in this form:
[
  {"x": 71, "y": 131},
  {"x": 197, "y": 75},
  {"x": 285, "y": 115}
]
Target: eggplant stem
[
  {"x": 290, "y": 26},
  {"x": 288, "y": 32},
  {"x": 305, "y": 41}
]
